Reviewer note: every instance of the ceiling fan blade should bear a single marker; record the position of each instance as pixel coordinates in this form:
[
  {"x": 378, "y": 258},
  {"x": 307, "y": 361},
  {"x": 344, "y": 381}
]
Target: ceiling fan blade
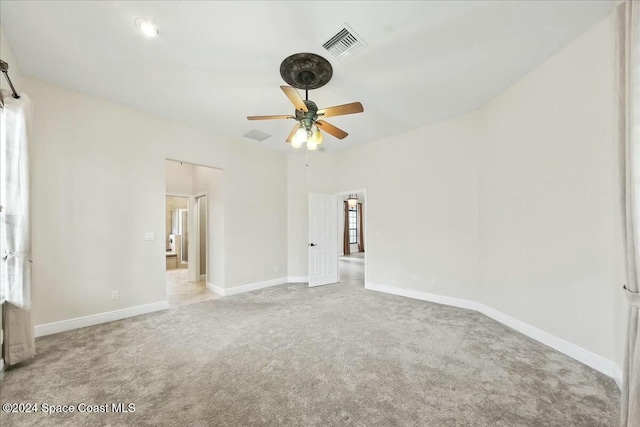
[
  {"x": 331, "y": 129},
  {"x": 270, "y": 117},
  {"x": 293, "y": 132},
  {"x": 341, "y": 110},
  {"x": 294, "y": 97}
]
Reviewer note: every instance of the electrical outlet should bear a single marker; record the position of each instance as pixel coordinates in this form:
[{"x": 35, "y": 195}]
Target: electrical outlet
[
  {"x": 150, "y": 237},
  {"x": 115, "y": 295},
  {"x": 275, "y": 269},
  {"x": 414, "y": 279}
]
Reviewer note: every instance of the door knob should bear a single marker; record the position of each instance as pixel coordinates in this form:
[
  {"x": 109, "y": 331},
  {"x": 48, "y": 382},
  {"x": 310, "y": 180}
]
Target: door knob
[{"x": 312, "y": 244}]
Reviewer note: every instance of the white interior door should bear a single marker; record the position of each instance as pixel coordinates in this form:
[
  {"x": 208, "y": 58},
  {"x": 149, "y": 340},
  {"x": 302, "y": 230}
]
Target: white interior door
[{"x": 323, "y": 239}]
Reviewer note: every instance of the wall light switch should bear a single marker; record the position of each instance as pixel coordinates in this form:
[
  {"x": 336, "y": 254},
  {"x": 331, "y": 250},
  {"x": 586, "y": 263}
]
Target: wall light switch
[{"x": 150, "y": 236}]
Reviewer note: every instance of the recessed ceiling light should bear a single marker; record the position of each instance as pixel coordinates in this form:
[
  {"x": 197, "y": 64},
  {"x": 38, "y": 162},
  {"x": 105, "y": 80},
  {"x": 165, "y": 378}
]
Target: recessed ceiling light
[{"x": 147, "y": 27}]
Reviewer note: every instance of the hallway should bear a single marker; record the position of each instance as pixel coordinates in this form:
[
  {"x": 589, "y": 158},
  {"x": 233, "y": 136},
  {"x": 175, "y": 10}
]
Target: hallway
[
  {"x": 181, "y": 292},
  {"x": 352, "y": 269}
]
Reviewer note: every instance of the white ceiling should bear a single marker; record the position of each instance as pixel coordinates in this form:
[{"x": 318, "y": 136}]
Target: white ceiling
[{"x": 214, "y": 63}]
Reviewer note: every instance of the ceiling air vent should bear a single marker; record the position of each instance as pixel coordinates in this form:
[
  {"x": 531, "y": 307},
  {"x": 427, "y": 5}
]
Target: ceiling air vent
[
  {"x": 344, "y": 43},
  {"x": 256, "y": 135}
]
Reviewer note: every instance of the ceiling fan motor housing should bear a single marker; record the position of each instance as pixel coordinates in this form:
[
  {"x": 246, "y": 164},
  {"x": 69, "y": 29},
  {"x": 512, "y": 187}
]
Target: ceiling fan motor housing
[{"x": 309, "y": 118}]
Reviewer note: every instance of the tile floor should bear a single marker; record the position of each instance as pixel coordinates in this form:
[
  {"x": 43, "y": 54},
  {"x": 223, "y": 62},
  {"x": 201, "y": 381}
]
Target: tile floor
[{"x": 181, "y": 292}]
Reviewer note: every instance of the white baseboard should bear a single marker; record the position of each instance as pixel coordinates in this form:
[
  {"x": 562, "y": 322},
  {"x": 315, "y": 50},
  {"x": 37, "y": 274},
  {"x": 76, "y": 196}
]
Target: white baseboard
[
  {"x": 576, "y": 352},
  {"x": 95, "y": 319},
  {"x": 298, "y": 279},
  {"x": 203, "y": 277},
  {"x": 215, "y": 288},
  {"x": 617, "y": 376},
  {"x": 440, "y": 299},
  {"x": 246, "y": 288}
]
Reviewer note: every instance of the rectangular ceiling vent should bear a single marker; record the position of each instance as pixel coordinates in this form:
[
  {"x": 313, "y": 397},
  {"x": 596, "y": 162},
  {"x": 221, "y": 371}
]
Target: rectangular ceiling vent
[
  {"x": 256, "y": 135},
  {"x": 344, "y": 43}
]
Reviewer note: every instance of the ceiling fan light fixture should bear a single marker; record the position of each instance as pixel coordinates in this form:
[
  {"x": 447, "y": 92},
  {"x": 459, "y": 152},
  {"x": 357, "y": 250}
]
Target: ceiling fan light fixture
[
  {"x": 316, "y": 137},
  {"x": 299, "y": 138},
  {"x": 311, "y": 145}
]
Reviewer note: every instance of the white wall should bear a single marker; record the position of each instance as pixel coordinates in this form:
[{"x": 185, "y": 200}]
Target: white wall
[
  {"x": 422, "y": 205},
  {"x": 514, "y": 205},
  {"x": 549, "y": 206},
  {"x": 422, "y": 199},
  {"x": 98, "y": 179},
  {"x": 179, "y": 177}
]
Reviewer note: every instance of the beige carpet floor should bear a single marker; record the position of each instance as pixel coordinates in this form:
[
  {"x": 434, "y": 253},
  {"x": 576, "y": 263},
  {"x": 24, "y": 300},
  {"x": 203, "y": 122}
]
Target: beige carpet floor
[{"x": 296, "y": 356}]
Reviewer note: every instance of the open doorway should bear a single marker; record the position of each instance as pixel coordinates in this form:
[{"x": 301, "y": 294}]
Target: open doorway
[
  {"x": 190, "y": 190},
  {"x": 177, "y": 232},
  {"x": 352, "y": 237}
]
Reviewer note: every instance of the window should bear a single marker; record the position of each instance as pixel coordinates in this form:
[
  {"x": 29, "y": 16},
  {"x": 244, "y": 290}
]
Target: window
[{"x": 353, "y": 225}]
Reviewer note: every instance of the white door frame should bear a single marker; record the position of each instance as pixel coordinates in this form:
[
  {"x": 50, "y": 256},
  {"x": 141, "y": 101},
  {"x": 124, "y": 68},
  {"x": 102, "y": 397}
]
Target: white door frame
[
  {"x": 196, "y": 239},
  {"x": 366, "y": 226}
]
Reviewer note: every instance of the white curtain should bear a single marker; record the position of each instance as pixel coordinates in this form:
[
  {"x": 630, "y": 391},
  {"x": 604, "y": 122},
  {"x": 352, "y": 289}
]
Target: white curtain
[
  {"x": 628, "y": 23},
  {"x": 15, "y": 232}
]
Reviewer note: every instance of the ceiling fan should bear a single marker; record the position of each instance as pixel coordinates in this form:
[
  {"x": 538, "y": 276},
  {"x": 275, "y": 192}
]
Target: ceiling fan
[{"x": 309, "y": 71}]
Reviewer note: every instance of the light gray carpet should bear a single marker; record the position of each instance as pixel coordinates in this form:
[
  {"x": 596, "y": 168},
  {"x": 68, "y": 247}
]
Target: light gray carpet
[{"x": 330, "y": 356}]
